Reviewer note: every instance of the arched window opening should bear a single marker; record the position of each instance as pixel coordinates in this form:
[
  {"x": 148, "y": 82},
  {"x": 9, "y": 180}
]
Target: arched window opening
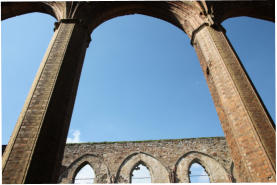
[
  {"x": 197, "y": 174},
  {"x": 85, "y": 176},
  {"x": 140, "y": 174}
]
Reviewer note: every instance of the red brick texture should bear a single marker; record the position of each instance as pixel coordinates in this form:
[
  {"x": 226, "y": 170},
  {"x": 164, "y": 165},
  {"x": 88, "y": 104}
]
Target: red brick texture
[
  {"x": 36, "y": 147},
  {"x": 246, "y": 124},
  {"x": 38, "y": 140}
]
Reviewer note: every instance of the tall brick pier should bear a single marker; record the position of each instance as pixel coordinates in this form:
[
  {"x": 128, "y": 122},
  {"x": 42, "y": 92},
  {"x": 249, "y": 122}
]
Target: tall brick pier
[{"x": 35, "y": 151}]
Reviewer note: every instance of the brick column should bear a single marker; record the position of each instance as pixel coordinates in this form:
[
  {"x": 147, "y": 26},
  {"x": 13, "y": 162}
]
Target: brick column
[
  {"x": 35, "y": 150},
  {"x": 248, "y": 128}
]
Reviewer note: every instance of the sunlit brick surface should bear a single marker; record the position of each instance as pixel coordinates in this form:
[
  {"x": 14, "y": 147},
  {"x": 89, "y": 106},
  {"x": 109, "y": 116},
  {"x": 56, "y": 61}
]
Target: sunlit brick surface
[{"x": 40, "y": 133}]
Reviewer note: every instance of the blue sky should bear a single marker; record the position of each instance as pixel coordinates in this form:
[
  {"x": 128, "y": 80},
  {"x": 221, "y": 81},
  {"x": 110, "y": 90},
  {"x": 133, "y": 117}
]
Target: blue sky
[{"x": 141, "y": 78}]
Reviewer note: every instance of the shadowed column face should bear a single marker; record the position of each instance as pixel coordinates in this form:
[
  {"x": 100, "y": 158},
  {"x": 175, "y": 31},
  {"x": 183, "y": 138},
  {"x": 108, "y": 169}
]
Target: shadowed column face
[
  {"x": 246, "y": 123},
  {"x": 35, "y": 150}
]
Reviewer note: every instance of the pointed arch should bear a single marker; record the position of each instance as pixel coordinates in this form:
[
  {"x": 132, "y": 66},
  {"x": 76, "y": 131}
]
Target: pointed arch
[
  {"x": 140, "y": 170},
  {"x": 214, "y": 169},
  {"x": 100, "y": 169},
  {"x": 12, "y": 9},
  {"x": 77, "y": 171},
  {"x": 158, "y": 172},
  {"x": 200, "y": 171}
]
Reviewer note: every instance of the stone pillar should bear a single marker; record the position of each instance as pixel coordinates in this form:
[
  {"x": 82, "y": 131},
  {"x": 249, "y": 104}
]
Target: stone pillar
[
  {"x": 248, "y": 128},
  {"x": 35, "y": 150}
]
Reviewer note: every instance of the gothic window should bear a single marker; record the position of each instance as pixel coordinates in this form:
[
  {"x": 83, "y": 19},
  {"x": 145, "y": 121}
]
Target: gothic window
[
  {"x": 197, "y": 174},
  {"x": 140, "y": 174},
  {"x": 85, "y": 175}
]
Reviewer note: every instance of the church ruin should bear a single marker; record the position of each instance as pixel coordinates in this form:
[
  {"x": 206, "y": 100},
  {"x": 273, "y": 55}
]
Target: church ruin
[{"x": 35, "y": 151}]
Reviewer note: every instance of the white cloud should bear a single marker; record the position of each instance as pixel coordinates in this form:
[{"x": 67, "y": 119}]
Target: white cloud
[{"x": 76, "y": 137}]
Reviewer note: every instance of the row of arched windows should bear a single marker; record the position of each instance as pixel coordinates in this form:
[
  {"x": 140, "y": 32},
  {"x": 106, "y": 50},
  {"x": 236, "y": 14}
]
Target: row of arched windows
[{"x": 141, "y": 174}]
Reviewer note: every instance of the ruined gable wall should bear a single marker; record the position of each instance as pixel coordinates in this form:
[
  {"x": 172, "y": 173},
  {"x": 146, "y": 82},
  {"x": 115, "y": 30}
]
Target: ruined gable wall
[{"x": 167, "y": 152}]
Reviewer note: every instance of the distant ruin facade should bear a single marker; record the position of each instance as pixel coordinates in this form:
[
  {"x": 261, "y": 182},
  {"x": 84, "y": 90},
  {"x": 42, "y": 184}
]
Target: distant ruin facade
[
  {"x": 167, "y": 160},
  {"x": 35, "y": 151}
]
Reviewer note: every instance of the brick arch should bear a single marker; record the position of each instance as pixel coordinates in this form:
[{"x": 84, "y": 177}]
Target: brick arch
[
  {"x": 178, "y": 13},
  {"x": 100, "y": 169},
  {"x": 257, "y": 9},
  {"x": 184, "y": 15},
  {"x": 12, "y": 9},
  {"x": 159, "y": 173},
  {"x": 214, "y": 169},
  {"x": 244, "y": 119}
]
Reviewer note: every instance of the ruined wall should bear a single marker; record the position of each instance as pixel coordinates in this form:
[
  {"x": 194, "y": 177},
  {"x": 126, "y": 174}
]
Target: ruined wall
[
  {"x": 167, "y": 160},
  {"x": 34, "y": 152}
]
